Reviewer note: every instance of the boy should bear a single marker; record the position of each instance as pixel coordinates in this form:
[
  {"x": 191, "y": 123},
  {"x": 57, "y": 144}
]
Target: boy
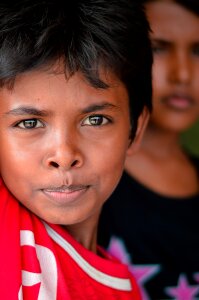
[
  {"x": 75, "y": 92},
  {"x": 157, "y": 226}
]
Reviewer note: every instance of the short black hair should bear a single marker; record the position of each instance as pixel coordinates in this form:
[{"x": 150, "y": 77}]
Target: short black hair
[{"x": 86, "y": 35}]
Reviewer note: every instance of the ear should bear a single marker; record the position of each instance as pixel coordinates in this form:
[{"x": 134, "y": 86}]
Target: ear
[{"x": 142, "y": 124}]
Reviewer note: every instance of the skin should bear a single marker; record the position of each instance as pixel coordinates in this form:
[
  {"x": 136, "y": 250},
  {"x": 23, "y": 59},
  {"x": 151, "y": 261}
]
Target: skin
[
  {"x": 161, "y": 163},
  {"x": 175, "y": 41},
  {"x": 65, "y": 142}
]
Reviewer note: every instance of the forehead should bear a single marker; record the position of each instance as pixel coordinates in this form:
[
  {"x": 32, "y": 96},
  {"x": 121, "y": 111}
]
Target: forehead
[
  {"x": 50, "y": 90},
  {"x": 170, "y": 20}
]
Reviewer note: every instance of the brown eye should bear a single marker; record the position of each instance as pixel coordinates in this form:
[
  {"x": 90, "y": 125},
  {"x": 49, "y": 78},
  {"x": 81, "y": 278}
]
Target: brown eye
[
  {"x": 96, "y": 120},
  {"x": 30, "y": 124}
]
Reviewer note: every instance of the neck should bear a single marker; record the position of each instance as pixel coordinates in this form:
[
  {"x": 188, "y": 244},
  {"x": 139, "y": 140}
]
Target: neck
[
  {"x": 162, "y": 165},
  {"x": 160, "y": 143},
  {"x": 85, "y": 233}
]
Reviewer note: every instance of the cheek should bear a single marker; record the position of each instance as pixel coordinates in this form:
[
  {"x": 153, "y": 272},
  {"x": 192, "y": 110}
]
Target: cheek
[
  {"x": 8, "y": 156},
  {"x": 16, "y": 165},
  {"x": 159, "y": 77},
  {"x": 22, "y": 153},
  {"x": 17, "y": 173},
  {"x": 110, "y": 164},
  {"x": 112, "y": 150}
]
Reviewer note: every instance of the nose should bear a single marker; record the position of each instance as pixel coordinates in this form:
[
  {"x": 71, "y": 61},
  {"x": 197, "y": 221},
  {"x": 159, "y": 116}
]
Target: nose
[
  {"x": 64, "y": 154},
  {"x": 180, "y": 68}
]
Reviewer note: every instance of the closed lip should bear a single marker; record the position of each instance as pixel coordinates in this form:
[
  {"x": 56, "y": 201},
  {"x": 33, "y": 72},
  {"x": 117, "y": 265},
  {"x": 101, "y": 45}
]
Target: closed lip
[
  {"x": 179, "y": 101},
  {"x": 65, "y": 194},
  {"x": 65, "y": 188}
]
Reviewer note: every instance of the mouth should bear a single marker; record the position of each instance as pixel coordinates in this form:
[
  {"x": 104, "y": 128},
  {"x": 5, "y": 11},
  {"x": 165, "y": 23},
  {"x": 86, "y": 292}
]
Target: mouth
[
  {"x": 179, "y": 102},
  {"x": 65, "y": 194}
]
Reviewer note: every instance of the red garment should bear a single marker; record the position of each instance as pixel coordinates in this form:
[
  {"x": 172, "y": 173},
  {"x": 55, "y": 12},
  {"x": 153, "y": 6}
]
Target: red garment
[{"x": 42, "y": 261}]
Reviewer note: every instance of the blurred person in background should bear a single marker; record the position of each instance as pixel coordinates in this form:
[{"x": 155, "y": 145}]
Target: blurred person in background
[{"x": 151, "y": 220}]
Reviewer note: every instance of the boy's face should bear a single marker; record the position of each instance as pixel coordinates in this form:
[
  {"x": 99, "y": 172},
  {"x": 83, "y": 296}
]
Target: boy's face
[
  {"x": 175, "y": 40},
  {"x": 63, "y": 144}
]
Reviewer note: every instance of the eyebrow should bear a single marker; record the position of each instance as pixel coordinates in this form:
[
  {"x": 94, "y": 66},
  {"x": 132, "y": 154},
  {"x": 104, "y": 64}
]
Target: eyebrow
[
  {"x": 170, "y": 43},
  {"x": 27, "y": 110},
  {"x": 99, "y": 107},
  {"x": 161, "y": 42}
]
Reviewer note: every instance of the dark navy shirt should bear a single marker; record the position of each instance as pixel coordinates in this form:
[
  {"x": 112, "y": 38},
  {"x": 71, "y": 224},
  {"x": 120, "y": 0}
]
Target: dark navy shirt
[{"x": 157, "y": 236}]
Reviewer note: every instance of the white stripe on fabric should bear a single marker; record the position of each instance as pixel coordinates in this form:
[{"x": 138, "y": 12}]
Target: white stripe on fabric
[{"x": 113, "y": 282}]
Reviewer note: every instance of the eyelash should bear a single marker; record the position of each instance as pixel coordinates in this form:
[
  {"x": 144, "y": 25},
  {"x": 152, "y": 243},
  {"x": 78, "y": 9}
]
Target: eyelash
[
  {"x": 34, "y": 122},
  {"x": 158, "y": 49},
  {"x": 98, "y": 120}
]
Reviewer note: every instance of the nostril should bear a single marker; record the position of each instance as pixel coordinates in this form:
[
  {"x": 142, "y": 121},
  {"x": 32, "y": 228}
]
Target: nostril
[
  {"x": 74, "y": 163},
  {"x": 54, "y": 164}
]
